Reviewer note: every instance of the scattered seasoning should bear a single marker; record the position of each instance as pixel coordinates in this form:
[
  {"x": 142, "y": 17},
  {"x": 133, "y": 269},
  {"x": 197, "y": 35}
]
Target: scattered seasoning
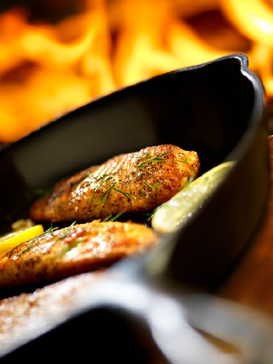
[
  {"x": 101, "y": 182},
  {"x": 150, "y": 214},
  {"x": 107, "y": 193},
  {"x": 103, "y": 179},
  {"x": 156, "y": 185},
  {"x": 126, "y": 194},
  {"x": 112, "y": 187}
]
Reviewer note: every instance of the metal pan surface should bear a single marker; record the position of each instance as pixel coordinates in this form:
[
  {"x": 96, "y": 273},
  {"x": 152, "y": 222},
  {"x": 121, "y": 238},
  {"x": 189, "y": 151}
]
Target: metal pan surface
[{"x": 215, "y": 109}]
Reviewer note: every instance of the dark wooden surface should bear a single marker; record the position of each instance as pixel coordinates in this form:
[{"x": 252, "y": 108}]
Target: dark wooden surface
[{"x": 251, "y": 282}]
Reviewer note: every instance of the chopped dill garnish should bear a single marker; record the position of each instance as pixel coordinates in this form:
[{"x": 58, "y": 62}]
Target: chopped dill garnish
[
  {"x": 103, "y": 179},
  {"x": 101, "y": 182},
  {"x": 140, "y": 175},
  {"x": 35, "y": 242},
  {"x": 110, "y": 218},
  {"x": 107, "y": 218},
  {"x": 67, "y": 231},
  {"x": 68, "y": 247},
  {"x": 160, "y": 158},
  {"x": 101, "y": 176},
  {"x": 145, "y": 156},
  {"x": 118, "y": 215},
  {"x": 86, "y": 174},
  {"x": 149, "y": 215},
  {"x": 183, "y": 159},
  {"x": 98, "y": 178},
  {"x": 28, "y": 248},
  {"x": 107, "y": 193},
  {"x": 156, "y": 159},
  {"x": 156, "y": 185},
  {"x": 126, "y": 194}
]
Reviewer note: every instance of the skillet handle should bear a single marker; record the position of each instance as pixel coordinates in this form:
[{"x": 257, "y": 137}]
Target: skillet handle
[{"x": 189, "y": 328}]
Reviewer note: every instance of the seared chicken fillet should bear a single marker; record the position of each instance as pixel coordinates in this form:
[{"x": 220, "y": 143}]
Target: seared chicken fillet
[
  {"x": 129, "y": 183},
  {"x": 72, "y": 250}
]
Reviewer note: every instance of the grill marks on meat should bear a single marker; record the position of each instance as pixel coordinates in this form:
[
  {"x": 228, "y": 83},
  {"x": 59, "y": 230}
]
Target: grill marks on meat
[
  {"x": 129, "y": 183},
  {"x": 72, "y": 250}
]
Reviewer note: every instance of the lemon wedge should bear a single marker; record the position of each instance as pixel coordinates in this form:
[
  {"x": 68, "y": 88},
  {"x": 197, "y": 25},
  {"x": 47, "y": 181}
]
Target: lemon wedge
[
  {"x": 11, "y": 240},
  {"x": 170, "y": 216}
]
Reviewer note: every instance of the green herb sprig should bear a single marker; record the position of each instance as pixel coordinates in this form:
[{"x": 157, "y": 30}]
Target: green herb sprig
[
  {"x": 68, "y": 247},
  {"x": 102, "y": 180},
  {"x": 107, "y": 218},
  {"x": 156, "y": 185},
  {"x": 126, "y": 194},
  {"x": 159, "y": 158},
  {"x": 144, "y": 156},
  {"x": 85, "y": 175},
  {"x": 67, "y": 231},
  {"x": 110, "y": 218},
  {"x": 118, "y": 215},
  {"x": 183, "y": 159},
  {"x": 36, "y": 239},
  {"x": 107, "y": 193}
]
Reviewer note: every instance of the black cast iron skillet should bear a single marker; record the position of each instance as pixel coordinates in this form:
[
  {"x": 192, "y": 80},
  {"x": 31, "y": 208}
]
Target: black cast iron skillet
[{"x": 215, "y": 109}]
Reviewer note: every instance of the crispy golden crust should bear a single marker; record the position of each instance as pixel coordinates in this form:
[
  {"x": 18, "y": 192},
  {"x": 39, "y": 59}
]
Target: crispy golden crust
[
  {"x": 73, "y": 250},
  {"x": 129, "y": 183}
]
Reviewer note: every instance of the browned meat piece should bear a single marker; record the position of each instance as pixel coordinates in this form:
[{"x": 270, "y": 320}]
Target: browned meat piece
[
  {"x": 129, "y": 183},
  {"x": 72, "y": 250}
]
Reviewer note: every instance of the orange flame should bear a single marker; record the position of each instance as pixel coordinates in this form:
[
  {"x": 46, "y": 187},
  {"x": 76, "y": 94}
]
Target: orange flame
[{"x": 48, "y": 69}]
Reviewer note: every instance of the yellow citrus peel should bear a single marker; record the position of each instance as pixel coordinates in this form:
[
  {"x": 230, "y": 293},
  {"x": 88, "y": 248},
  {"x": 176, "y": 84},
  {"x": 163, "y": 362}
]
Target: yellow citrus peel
[{"x": 12, "y": 239}]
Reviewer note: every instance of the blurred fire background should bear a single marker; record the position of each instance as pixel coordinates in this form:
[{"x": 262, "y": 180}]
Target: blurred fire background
[{"x": 58, "y": 55}]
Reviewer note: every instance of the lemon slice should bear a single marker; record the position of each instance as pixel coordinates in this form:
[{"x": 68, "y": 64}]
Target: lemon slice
[
  {"x": 11, "y": 240},
  {"x": 169, "y": 217}
]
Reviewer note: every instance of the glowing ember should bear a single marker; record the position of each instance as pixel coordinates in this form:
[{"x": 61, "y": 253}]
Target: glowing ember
[{"x": 48, "y": 69}]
